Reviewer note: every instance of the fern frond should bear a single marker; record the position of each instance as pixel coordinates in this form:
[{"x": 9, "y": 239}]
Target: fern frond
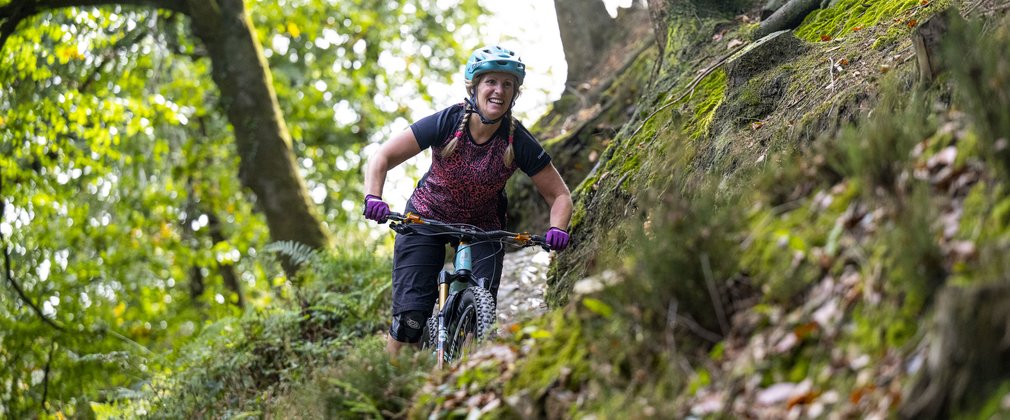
[{"x": 297, "y": 252}]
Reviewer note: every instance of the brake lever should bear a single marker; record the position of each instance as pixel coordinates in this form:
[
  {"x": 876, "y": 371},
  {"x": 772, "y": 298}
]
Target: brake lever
[{"x": 401, "y": 228}]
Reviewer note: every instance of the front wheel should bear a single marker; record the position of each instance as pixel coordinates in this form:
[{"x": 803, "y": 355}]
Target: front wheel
[{"x": 469, "y": 323}]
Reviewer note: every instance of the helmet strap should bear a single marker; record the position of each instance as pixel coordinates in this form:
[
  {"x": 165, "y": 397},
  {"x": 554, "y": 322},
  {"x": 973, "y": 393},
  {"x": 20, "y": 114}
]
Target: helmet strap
[{"x": 473, "y": 108}]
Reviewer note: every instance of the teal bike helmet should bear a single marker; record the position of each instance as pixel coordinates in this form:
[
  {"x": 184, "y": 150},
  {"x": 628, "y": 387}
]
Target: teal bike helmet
[{"x": 494, "y": 58}]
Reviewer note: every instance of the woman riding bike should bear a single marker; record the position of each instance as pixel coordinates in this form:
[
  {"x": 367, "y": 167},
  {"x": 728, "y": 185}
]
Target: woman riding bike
[{"x": 473, "y": 156}]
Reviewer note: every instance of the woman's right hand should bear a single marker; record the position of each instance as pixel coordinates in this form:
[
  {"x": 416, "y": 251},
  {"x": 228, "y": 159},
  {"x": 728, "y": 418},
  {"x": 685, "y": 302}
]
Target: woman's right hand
[{"x": 375, "y": 208}]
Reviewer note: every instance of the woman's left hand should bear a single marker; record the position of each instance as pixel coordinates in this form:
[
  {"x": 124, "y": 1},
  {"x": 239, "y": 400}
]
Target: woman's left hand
[{"x": 556, "y": 238}]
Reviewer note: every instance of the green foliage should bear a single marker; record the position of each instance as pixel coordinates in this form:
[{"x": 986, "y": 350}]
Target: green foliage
[
  {"x": 124, "y": 216},
  {"x": 876, "y": 151},
  {"x": 908, "y": 266},
  {"x": 297, "y": 252},
  {"x": 704, "y": 101},
  {"x": 849, "y": 15},
  {"x": 364, "y": 383},
  {"x": 563, "y": 347},
  {"x": 239, "y": 365},
  {"x": 786, "y": 242},
  {"x": 983, "y": 84},
  {"x": 692, "y": 253},
  {"x": 985, "y": 221}
]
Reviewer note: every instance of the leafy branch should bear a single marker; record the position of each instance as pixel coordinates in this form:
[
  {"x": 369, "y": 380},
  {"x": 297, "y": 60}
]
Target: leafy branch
[{"x": 14, "y": 12}]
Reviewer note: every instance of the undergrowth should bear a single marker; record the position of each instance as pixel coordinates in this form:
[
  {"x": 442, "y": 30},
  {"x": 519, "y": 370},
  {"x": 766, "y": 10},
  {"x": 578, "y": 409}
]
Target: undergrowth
[
  {"x": 871, "y": 204},
  {"x": 320, "y": 351}
]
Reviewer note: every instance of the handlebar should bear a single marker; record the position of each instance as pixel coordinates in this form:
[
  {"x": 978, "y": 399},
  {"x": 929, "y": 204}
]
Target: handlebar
[{"x": 401, "y": 224}]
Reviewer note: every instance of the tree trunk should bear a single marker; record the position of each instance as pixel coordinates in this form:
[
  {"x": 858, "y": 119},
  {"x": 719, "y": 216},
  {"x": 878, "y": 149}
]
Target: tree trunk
[
  {"x": 262, "y": 139},
  {"x": 928, "y": 41},
  {"x": 969, "y": 357},
  {"x": 226, "y": 270},
  {"x": 658, "y": 10},
  {"x": 586, "y": 29}
]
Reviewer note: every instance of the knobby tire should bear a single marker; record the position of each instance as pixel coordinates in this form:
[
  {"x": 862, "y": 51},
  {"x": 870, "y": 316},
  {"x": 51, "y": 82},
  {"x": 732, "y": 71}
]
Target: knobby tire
[{"x": 473, "y": 317}]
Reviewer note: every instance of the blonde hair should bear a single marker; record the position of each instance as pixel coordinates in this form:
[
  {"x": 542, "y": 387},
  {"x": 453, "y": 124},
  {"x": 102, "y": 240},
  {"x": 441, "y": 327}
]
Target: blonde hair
[{"x": 451, "y": 146}]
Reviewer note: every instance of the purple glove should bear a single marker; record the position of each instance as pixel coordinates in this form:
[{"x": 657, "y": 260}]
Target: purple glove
[
  {"x": 375, "y": 208},
  {"x": 556, "y": 238}
]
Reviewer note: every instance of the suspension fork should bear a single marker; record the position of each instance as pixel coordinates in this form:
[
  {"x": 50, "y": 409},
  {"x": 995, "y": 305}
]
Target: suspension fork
[
  {"x": 464, "y": 266},
  {"x": 442, "y": 331}
]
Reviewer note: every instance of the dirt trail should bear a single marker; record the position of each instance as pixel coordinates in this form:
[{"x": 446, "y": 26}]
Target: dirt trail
[{"x": 523, "y": 282}]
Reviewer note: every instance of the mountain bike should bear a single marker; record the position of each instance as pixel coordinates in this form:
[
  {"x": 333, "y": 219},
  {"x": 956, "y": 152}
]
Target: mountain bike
[{"x": 465, "y": 309}]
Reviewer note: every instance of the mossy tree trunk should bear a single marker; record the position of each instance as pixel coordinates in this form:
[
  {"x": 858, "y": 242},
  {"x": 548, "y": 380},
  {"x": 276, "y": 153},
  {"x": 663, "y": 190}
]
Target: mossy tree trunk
[{"x": 261, "y": 135}]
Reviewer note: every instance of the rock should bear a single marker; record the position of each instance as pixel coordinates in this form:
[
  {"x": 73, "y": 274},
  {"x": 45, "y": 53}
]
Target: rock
[{"x": 764, "y": 54}]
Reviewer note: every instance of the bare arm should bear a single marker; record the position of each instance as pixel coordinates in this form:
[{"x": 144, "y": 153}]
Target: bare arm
[
  {"x": 554, "y": 191},
  {"x": 398, "y": 149}
]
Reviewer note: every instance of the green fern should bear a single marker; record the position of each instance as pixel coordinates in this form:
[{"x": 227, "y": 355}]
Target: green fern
[{"x": 297, "y": 252}]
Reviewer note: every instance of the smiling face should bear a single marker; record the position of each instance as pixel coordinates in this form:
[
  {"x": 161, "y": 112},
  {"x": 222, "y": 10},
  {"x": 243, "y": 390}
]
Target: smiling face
[{"x": 495, "y": 91}]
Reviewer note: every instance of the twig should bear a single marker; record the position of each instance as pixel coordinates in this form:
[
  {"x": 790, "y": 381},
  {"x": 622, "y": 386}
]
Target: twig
[
  {"x": 699, "y": 330},
  {"x": 45, "y": 377},
  {"x": 831, "y": 71},
  {"x": 713, "y": 292}
]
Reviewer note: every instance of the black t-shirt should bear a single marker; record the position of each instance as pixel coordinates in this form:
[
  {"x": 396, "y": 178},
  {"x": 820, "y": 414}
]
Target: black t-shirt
[{"x": 468, "y": 186}]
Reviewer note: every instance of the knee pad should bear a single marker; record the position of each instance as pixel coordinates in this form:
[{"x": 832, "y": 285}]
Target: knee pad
[{"x": 408, "y": 326}]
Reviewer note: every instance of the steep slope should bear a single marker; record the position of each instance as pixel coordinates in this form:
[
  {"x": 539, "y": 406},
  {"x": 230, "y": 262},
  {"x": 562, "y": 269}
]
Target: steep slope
[{"x": 794, "y": 226}]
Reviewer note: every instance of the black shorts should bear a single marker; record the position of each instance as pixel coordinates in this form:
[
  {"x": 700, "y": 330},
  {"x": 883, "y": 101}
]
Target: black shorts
[{"x": 417, "y": 260}]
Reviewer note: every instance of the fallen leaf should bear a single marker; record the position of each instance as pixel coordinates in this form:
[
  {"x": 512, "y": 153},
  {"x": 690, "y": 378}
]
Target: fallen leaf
[
  {"x": 884, "y": 68},
  {"x": 783, "y": 392},
  {"x": 802, "y": 399},
  {"x": 859, "y": 393},
  {"x": 787, "y": 343},
  {"x": 912, "y": 23},
  {"x": 825, "y": 38},
  {"x": 843, "y": 62},
  {"x": 804, "y": 331},
  {"x": 857, "y": 28}
]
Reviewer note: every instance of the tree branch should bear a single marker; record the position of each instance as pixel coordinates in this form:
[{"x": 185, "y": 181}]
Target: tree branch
[
  {"x": 124, "y": 43},
  {"x": 45, "y": 379},
  {"x": 14, "y": 12},
  {"x": 10, "y": 274},
  {"x": 31, "y": 7}
]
